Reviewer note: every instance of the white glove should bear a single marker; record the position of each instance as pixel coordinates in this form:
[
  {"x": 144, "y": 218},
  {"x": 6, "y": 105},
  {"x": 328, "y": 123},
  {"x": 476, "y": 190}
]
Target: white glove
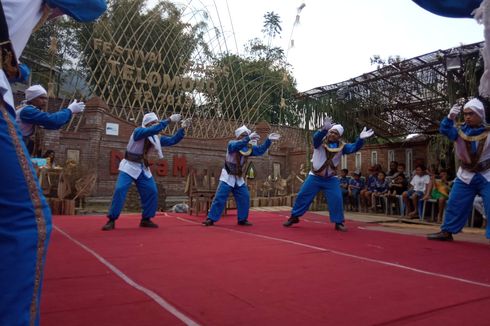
[
  {"x": 366, "y": 133},
  {"x": 175, "y": 117},
  {"x": 454, "y": 112},
  {"x": 254, "y": 136},
  {"x": 274, "y": 136},
  {"x": 76, "y": 107},
  {"x": 327, "y": 123},
  {"x": 186, "y": 122}
]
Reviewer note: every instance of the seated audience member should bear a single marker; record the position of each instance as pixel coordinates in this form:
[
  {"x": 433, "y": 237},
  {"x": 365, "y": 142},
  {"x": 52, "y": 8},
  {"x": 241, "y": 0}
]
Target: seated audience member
[
  {"x": 418, "y": 186},
  {"x": 397, "y": 187},
  {"x": 380, "y": 190},
  {"x": 393, "y": 170},
  {"x": 417, "y": 162},
  {"x": 400, "y": 169},
  {"x": 438, "y": 189},
  {"x": 368, "y": 189},
  {"x": 344, "y": 184},
  {"x": 356, "y": 184},
  {"x": 49, "y": 156}
]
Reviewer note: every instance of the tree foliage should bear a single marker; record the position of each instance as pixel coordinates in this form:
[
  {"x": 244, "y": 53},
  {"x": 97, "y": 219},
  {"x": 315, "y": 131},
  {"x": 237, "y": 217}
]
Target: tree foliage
[{"x": 259, "y": 85}]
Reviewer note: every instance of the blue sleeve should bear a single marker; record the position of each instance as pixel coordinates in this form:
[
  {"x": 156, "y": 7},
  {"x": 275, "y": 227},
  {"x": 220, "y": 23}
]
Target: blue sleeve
[
  {"x": 262, "y": 148},
  {"x": 447, "y": 128},
  {"x": 50, "y": 121},
  {"x": 140, "y": 132},
  {"x": 82, "y": 11},
  {"x": 450, "y": 8},
  {"x": 236, "y": 145},
  {"x": 353, "y": 147},
  {"x": 170, "y": 141},
  {"x": 318, "y": 137}
]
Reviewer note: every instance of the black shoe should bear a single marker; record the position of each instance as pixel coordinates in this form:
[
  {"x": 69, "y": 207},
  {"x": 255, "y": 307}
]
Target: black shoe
[
  {"x": 244, "y": 222},
  {"x": 291, "y": 221},
  {"x": 340, "y": 227},
  {"x": 208, "y": 222},
  {"x": 110, "y": 225},
  {"x": 441, "y": 236},
  {"x": 147, "y": 223}
]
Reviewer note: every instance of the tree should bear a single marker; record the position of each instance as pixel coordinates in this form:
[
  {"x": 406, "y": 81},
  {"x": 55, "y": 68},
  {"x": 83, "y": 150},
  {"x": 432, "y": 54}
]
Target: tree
[
  {"x": 140, "y": 58},
  {"x": 50, "y": 52},
  {"x": 257, "y": 86}
]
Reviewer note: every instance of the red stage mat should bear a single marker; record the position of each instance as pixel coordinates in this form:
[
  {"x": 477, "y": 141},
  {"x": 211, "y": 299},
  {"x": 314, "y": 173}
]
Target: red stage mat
[{"x": 309, "y": 274}]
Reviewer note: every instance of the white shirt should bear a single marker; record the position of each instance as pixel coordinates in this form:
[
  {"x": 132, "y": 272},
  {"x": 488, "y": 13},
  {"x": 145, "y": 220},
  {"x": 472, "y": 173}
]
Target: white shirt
[
  {"x": 419, "y": 183},
  {"x": 230, "y": 179},
  {"x": 134, "y": 169}
]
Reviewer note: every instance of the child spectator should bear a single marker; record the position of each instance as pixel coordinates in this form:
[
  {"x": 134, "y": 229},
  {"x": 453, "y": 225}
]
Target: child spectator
[
  {"x": 397, "y": 187},
  {"x": 418, "y": 186},
  {"x": 438, "y": 188},
  {"x": 356, "y": 184},
  {"x": 344, "y": 184},
  {"x": 368, "y": 190},
  {"x": 380, "y": 190},
  {"x": 393, "y": 169}
]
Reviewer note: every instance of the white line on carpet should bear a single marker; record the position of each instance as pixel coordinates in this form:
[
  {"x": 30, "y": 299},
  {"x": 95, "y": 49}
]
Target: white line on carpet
[
  {"x": 340, "y": 253},
  {"x": 158, "y": 299}
]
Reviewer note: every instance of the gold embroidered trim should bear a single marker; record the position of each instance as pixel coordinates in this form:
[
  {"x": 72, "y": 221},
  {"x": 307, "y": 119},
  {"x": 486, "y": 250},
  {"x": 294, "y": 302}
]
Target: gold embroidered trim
[
  {"x": 334, "y": 150},
  {"x": 38, "y": 213},
  {"x": 248, "y": 151},
  {"x": 481, "y": 136}
]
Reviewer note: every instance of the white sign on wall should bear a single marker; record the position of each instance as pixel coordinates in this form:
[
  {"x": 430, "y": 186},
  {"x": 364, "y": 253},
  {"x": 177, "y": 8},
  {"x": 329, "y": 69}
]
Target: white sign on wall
[{"x": 112, "y": 129}]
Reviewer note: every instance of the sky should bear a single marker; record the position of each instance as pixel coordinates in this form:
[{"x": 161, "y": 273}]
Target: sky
[{"x": 336, "y": 38}]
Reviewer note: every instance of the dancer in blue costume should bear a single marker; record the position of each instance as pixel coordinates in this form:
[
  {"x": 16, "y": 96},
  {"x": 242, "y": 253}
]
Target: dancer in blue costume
[
  {"x": 135, "y": 167},
  {"x": 327, "y": 153},
  {"x": 450, "y": 8},
  {"x": 33, "y": 114},
  {"x": 472, "y": 145},
  {"x": 25, "y": 218},
  {"x": 231, "y": 178}
]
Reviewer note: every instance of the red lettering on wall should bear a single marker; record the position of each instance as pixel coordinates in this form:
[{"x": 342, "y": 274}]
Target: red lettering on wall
[
  {"x": 180, "y": 164},
  {"x": 159, "y": 167},
  {"x": 116, "y": 158},
  {"x": 162, "y": 168}
]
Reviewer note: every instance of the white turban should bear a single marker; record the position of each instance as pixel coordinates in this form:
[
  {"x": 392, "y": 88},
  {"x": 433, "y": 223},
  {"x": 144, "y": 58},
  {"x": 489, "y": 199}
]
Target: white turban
[
  {"x": 35, "y": 91},
  {"x": 476, "y": 106},
  {"x": 241, "y": 130},
  {"x": 148, "y": 118},
  {"x": 339, "y": 128},
  {"x": 155, "y": 140}
]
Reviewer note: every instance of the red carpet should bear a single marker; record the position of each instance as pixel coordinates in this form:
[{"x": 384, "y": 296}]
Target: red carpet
[{"x": 266, "y": 274}]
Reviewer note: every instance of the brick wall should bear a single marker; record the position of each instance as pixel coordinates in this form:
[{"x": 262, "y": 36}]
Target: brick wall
[{"x": 204, "y": 156}]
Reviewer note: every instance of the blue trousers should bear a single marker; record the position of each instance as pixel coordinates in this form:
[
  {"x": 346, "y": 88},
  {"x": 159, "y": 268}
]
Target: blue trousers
[
  {"x": 242, "y": 199},
  {"x": 331, "y": 190},
  {"x": 147, "y": 189},
  {"x": 25, "y": 228},
  {"x": 460, "y": 203}
]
